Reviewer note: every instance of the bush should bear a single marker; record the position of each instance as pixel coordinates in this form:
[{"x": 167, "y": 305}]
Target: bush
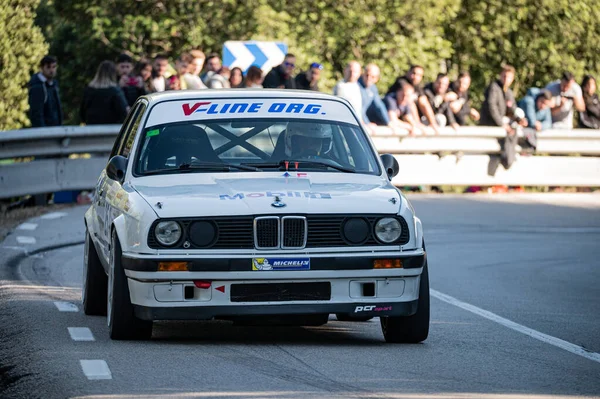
[{"x": 22, "y": 46}]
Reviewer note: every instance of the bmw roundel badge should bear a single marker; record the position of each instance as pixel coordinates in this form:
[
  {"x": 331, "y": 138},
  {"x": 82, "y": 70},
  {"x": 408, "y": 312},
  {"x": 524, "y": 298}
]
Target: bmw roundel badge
[{"x": 278, "y": 203}]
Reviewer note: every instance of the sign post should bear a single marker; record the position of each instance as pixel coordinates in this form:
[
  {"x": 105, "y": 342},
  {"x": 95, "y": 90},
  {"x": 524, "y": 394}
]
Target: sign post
[{"x": 244, "y": 54}]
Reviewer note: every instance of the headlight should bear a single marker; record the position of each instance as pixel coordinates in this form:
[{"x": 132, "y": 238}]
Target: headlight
[
  {"x": 167, "y": 233},
  {"x": 388, "y": 230}
]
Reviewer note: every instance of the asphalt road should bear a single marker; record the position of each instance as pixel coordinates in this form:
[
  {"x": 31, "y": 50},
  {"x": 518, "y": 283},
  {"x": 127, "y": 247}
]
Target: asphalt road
[{"x": 515, "y": 314}]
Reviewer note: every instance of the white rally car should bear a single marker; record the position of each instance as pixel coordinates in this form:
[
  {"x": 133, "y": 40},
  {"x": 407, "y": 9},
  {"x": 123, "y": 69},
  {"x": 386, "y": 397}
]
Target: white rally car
[{"x": 252, "y": 205}]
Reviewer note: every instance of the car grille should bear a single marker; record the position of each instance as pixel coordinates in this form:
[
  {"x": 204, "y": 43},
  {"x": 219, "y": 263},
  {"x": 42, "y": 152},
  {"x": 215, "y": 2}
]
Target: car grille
[
  {"x": 266, "y": 232},
  {"x": 294, "y": 232},
  {"x": 312, "y": 231},
  {"x": 281, "y": 292}
]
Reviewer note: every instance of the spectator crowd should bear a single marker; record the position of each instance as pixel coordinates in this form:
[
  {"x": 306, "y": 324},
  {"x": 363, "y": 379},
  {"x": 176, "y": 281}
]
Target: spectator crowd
[{"x": 409, "y": 103}]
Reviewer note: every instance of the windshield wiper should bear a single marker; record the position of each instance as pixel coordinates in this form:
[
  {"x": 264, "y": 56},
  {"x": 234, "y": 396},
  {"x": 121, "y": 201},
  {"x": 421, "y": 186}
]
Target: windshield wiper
[
  {"x": 188, "y": 167},
  {"x": 291, "y": 163},
  {"x": 226, "y": 166}
]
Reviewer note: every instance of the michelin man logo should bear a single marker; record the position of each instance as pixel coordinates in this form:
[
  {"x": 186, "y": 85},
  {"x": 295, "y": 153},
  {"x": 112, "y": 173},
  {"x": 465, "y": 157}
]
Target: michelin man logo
[{"x": 261, "y": 264}]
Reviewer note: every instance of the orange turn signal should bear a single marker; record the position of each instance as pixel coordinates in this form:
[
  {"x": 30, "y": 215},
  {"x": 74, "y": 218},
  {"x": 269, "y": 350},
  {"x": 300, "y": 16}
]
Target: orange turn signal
[
  {"x": 387, "y": 263},
  {"x": 172, "y": 266}
]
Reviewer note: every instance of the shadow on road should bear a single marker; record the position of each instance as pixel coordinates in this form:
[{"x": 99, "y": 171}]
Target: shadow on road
[{"x": 207, "y": 332}]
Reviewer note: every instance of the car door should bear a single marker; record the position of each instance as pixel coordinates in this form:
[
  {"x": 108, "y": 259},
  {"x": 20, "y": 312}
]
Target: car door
[
  {"x": 114, "y": 196},
  {"x": 104, "y": 183}
]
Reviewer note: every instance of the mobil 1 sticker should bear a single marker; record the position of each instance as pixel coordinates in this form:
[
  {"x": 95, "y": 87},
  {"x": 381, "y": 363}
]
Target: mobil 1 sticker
[{"x": 281, "y": 264}]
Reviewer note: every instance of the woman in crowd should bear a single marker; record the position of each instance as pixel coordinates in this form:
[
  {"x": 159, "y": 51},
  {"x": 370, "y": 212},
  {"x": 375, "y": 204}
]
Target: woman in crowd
[
  {"x": 181, "y": 67},
  {"x": 254, "y": 77},
  {"x": 103, "y": 100},
  {"x": 143, "y": 70},
  {"x": 236, "y": 78},
  {"x": 174, "y": 82},
  {"x": 590, "y": 118}
]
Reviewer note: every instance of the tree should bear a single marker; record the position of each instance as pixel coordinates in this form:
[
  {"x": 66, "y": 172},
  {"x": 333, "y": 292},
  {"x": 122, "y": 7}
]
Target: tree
[
  {"x": 22, "y": 47},
  {"x": 391, "y": 33},
  {"x": 540, "y": 38},
  {"x": 86, "y": 32}
]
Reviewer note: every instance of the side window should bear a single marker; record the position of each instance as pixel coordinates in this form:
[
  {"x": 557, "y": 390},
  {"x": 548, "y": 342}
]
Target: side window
[
  {"x": 124, "y": 130},
  {"x": 131, "y": 131}
]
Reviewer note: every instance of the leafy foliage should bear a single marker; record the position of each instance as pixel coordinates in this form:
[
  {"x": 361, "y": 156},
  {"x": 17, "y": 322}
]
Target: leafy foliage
[
  {"x": 22, "y": 47},
  {"x": 541, "y": 38},
  {"x": 390, "y": 33}
]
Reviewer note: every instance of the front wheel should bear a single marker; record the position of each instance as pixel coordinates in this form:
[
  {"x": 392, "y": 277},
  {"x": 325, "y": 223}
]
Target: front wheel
[
  {"x": 122, "y": 323},
  {"x": 410, "y": 329}
]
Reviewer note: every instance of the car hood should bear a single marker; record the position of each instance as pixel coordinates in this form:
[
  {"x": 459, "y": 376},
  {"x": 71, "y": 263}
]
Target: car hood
[{"x": 248, "y": 193}]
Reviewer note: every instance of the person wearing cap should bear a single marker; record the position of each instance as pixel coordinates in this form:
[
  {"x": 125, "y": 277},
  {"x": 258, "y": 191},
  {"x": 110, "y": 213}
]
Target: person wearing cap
[
  {"x": 309, "y": 80},
  {"x": 568, "y": 96}
]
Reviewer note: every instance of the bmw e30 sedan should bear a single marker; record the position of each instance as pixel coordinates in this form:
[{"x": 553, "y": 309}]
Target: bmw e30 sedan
[{"x": 252, "y": 205}]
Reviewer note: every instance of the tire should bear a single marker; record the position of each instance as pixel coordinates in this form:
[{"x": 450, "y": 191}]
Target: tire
[
  {"x": 95, "y": 281},
  {"x": 346, "y": 317},
  {"x": 122, "y": 323},
  {"x": 410, "y": 329}
]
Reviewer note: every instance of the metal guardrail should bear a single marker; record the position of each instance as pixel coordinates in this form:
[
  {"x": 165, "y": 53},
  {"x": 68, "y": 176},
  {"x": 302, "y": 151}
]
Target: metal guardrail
[
  {"x": 57, "y": 164},
  {"x": 459, "y": 157}
]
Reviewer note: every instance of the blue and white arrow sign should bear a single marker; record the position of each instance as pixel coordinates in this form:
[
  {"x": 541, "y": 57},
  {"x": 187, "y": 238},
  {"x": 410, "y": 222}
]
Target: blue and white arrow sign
[{"x": 264, "y": 55}]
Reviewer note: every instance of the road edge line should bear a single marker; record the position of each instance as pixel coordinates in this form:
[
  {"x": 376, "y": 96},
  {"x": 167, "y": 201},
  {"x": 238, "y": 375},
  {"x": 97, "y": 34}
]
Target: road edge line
[{"x": 557, "y": 342}]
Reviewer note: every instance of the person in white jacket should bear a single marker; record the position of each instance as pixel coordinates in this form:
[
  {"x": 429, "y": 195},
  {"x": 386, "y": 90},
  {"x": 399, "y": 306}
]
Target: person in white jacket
[
  {"x": 220, "y": 79},
  {"x": 349, "y": 88}
]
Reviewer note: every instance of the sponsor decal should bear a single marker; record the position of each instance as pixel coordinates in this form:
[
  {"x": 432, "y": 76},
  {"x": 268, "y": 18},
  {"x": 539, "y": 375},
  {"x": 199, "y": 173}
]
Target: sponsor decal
[
  {"x": 296, "y": 194},
  {"x": 372, "y": 308},
  {"x": 211, "y": 108},
  {"x": 280, "y": 264},
  {"x": 154, "y": 132}
]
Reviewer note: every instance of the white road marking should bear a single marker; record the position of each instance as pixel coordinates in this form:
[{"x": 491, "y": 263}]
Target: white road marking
[
  {"x": 27, "y": 226},
  {"x": 476, "y": 229},
  {"x": 26, "y": 240},
  {"x": 53, "y": 215},
  {"x": 66, "y": 306},
  {"x": 81, "y": 334},
  {"x": 95, "y": 369},
  {"x": 559, "y": 343},
  {"x": 13, "y": 247}
]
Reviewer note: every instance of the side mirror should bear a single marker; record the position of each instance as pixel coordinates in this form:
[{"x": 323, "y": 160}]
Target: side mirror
[
  {"x": 115, "y": 170},
  {"x": 390, "y": 164}
]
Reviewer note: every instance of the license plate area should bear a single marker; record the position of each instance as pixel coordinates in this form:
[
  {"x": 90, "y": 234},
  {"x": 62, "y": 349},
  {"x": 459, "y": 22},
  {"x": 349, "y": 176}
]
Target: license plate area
[{"x": 281, "y": 292}]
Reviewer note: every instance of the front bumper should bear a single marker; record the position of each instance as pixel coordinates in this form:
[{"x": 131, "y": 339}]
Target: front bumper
[
  {"x": 209, "y": 312},
  {"x": 243, "y": 263},
  {"x": 353, "y": 287}
]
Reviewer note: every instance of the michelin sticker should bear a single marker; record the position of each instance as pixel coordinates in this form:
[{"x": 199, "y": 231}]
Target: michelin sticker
[{"x": 264, "y": 264}]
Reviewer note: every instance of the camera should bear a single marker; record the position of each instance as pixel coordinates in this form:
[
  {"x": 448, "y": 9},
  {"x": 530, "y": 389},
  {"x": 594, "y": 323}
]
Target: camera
[
  {"x": 132, "y": 81},
  {"x": 567, "y": 97}
]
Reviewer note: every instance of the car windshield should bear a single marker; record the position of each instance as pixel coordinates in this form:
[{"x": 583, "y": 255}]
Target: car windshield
[{"x": 254, "y": 144}]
